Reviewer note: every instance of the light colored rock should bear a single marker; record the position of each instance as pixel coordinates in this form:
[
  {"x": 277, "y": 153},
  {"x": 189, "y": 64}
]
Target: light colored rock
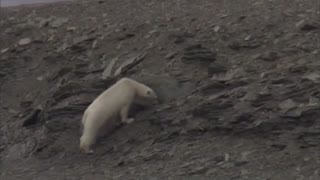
[
  {"x": 58, "y": 22},
  {"x": 4, "y": 50},
  {"x": 287, "y": 105},
  {"x": 315, "y": 77},
  {"x": 71, "y": 28},
  {"x": 108, "y": 70},
  {"x": 24, "y": 41}
]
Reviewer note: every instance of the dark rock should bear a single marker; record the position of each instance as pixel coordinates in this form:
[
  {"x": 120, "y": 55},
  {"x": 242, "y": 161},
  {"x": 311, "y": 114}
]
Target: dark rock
[
  {"x": 242, "y": 117},
  {"x": 230, "y": 75},
  {"x": 181, "y": 37},
  {"x": 26, "y": 103},
  {"x": 298, "y": 69},
  {"x": 279, "y": 147},
  {"x": 198, "y": 53},
  {"x": 261, "y": 99},
  {"x": 269, "y": 56},
  {"x": 216, "y": 68},
  {"x": 129, "y": 63},
  {"x": 60, "y": 73},
  {"x": 56, "y": 125},
  {"x": 309, "y": 26},
  {"x": 308, "y": 111},
  {"x": 76, "y": 45},
  {"x": 102, "y": 84},
  {"x": 269, "y": 125},
  {"x": 236, "y": 45},
  {"x": 125, "y": 36},
  {"x": 294, "y": 113},
  {"x": 2, "y": 74},
  {"x": 78, "y": 48},
  {"x": 240, "y": 163},
  {"x": 212, "y": 110},
  {"x": 250, "y": 96},
  {"x": 170, "y": 55},
  {"x": 240, "y": 18},
  {"x": 67, "y": 90},
  {"x": 136, "y": 108},
  {"x": 121, "y": 162},
  {"x": 212, "y": 88},
  {"x": 281, "y": 80},
  {"x": 32, "y": 118},
  {"x": 239, "y": 93},
  {"x": 69, "y": 111},
  {"x": 311, "y": 138},
  {"x": 81, "y": 39},
  {"x": 237, "y": 83},
  {"x": 53, "y": 57},
  {"x": 195, "y": 126},
  {"x": 219, "y": 158}
]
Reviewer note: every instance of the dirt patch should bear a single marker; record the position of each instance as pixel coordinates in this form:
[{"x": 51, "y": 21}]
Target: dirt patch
[{"x": 238, "y": 82}]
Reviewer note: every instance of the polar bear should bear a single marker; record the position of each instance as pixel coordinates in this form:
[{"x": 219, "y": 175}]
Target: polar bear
[{"x": 113, "y": 102}]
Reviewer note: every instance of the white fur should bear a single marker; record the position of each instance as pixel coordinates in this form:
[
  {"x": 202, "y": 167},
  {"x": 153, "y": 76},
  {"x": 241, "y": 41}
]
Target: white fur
[{"x": 113, "y": 102}]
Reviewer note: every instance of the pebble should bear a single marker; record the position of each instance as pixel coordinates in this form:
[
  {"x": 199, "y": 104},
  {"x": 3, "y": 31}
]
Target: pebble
[{"x": 24, "y": 41}]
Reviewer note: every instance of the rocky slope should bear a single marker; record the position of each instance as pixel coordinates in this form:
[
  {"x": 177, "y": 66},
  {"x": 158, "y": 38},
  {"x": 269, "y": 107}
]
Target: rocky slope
[{"x": 238, "y": 81}]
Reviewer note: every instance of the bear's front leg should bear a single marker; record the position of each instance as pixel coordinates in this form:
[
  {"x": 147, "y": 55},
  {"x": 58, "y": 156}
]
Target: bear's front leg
[{"x": 124, "y": 115}]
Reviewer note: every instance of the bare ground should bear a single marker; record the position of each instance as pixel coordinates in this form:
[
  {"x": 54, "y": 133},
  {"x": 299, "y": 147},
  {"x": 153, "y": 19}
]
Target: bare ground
[{"x": 238, "y": 81}]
